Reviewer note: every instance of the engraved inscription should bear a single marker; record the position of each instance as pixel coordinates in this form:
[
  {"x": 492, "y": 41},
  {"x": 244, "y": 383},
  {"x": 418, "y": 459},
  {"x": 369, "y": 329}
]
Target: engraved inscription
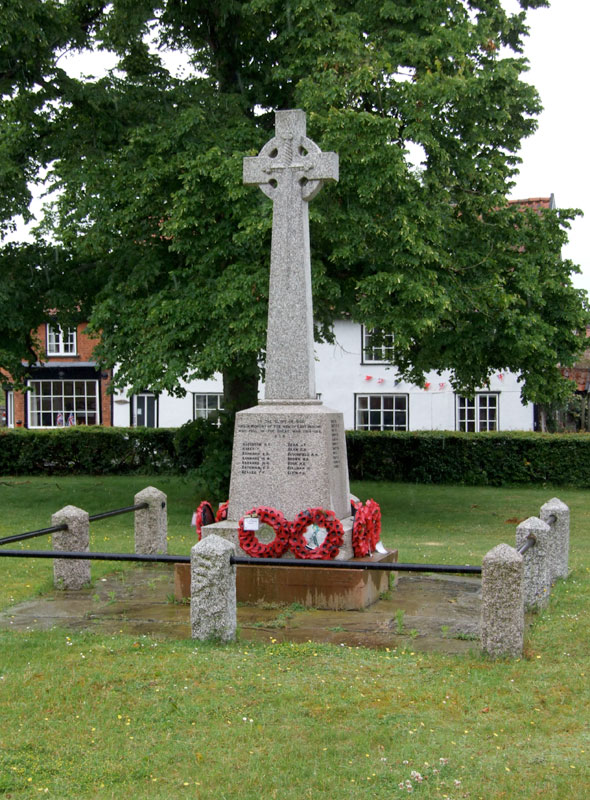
[
  {"x": 335, "y": 444},
  {"x": 280, "y": 427},
  {"x": 255, "y": 458},
  {"x": 298, "y": 458}
]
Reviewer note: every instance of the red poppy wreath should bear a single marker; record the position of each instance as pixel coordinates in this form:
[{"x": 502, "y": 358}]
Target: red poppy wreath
[
  {"x": 329, "y": 548},
  {"x": 373, "y": 518},
  {"x": 360, "y": 538},
  {"x": 222, "y": 512},
  {"x": 250, "y": 543},
  {"x": 203, "y": 516}
]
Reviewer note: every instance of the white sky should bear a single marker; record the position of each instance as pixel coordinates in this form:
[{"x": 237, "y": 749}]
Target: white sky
[{"x": 556, "y": 158}]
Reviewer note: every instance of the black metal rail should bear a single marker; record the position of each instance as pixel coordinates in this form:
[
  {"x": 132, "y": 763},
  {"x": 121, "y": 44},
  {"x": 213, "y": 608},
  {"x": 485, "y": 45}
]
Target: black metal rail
[
  {"x": 118, "y": 511},
  {"x": 166, "y": 559},
  {"x": 19, "y": 537},
  {"x": 389, "y": 566},
  {"x": 530, "y": 541}
]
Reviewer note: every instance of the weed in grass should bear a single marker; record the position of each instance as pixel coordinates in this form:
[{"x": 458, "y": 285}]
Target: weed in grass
[
  {"x": 184, "y": 601},
  {"x": 267, "y": 606},
  {"x": 280, "y": 621},
  {"x": 399, "y": 620}
]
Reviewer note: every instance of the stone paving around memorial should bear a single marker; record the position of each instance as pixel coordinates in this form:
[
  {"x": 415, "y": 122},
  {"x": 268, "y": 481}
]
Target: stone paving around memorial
[{"x": 420, "y": 613}]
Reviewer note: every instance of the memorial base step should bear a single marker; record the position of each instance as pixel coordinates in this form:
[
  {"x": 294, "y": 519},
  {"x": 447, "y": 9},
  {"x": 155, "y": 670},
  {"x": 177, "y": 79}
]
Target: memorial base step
[{"x": 337, "y": 589}]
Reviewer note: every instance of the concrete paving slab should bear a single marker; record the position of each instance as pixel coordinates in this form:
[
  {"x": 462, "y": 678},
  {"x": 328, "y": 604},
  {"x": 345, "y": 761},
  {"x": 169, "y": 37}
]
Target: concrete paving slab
[{"x": 422, "y": 612}]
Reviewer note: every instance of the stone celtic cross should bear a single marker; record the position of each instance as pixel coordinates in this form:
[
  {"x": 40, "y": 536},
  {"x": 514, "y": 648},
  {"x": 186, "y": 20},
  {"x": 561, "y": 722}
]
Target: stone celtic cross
[{"x": 290, "y": 169}]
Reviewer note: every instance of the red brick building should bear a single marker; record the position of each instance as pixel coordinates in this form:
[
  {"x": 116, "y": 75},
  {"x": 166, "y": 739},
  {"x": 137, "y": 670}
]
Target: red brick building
[{"x": 66, "y": 388}]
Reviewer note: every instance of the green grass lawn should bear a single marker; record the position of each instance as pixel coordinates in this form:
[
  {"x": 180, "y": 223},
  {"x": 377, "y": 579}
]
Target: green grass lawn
[{"x": 93, "y": 716}]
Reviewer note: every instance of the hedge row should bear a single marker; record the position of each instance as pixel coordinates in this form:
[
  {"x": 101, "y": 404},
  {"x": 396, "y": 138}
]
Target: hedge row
[
  {"x": 87, "y": 450},
  {"x": 493, "y": 459},
  {"x": 477, "y": 459}
]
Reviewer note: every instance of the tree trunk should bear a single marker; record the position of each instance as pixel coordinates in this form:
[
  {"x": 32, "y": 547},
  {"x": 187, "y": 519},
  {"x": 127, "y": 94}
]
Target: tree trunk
[{"x": 240, "y": 385}]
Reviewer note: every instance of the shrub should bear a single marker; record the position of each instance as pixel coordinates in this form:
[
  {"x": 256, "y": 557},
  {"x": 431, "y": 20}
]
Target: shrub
[
  {"x": 203, "y": 450},
  {"x": 88, "y": 450},
  {"x": 495, "y": 459}
]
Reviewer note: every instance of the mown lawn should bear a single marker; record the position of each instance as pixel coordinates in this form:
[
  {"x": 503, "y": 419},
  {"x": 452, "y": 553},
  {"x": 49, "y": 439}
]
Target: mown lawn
[{"x": 92, "y": 716}]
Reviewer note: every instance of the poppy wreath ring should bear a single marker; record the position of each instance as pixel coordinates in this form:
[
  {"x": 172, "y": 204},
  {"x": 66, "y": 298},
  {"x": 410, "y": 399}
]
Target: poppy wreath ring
[
  {"x": 250, "y": 543},
  {"x": 329, "y": 548},
  {"x": 373, "y": 522},
  {"x": 222, "y": 512},
  {"x": 203, "y": 516},
  {"x": 361, "y": 545}
]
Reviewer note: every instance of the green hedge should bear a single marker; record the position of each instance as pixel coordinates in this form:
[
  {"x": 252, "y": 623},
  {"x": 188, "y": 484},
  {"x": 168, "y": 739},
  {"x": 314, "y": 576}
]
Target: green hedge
[
  {"x": 481, "y": 459},
  {"x": 87, "y": 450},
  {"x": 478, "y": 459}
]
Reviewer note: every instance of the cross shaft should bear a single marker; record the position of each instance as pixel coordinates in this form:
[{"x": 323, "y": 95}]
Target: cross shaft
[{"x": 290, "y": 170}]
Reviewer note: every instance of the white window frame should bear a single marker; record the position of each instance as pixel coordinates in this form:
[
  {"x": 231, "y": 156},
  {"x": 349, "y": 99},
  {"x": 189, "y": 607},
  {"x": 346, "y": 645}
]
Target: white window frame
[
  {"x": 372, "y": 412},
  {"x": 61, "y": 408},
  {"x": 213, "y": 404},
  {"x": 376, "y": 354},
  {"x": 478, "y": 414},
  {"x": 61, "y": 341},
  {"x": 9, "y": 400}
]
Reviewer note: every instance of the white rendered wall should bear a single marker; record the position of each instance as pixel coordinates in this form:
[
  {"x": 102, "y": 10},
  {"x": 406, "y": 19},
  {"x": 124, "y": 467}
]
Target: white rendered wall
[
  {"x": 172, "y": 411},
  {"x": 340, "y": 374}
]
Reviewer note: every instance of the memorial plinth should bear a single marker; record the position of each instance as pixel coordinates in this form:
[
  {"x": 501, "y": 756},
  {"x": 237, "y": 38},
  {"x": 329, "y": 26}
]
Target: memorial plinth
[
  {"x": 284, "y": 454},
  {"x": 289, "y": 457}
]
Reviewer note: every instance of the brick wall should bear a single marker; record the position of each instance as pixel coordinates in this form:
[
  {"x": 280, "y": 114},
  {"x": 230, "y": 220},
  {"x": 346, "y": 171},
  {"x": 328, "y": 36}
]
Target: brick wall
[{"x": 85, "y": 349}]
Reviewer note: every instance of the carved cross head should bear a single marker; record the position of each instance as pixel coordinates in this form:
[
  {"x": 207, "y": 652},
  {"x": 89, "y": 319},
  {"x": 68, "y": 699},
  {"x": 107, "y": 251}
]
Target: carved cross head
[{"x": 290, "y": 157}]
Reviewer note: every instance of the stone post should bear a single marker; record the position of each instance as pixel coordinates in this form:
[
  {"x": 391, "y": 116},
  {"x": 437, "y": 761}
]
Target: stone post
[
  {"x": 71, "y": 573},
  {"x": 557, "y": 515},
  {"x": 151, "y": 524},
  {"x": 502, "y": 607},
  {"x": 213, "y": 590},
  {"x": 537, "y": 562}
]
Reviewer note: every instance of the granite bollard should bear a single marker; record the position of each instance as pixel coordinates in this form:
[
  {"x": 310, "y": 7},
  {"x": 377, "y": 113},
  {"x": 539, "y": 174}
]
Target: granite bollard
[
  {"x": 557, "y": 515},
  {"x": 537, "y": 562},
  {"x": 151, "y": 524},
  {"x": 502, "y": 606},
  {"x": 71, "y": 573},
  {"x": 213, "y": 590}
]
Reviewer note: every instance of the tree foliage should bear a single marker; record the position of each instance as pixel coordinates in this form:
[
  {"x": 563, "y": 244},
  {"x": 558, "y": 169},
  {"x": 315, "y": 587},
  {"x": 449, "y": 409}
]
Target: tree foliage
[{"x": 156, "y": 241}]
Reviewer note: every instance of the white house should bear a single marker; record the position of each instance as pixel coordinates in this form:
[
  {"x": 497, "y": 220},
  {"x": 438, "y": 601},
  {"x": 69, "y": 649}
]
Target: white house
[{"x": 353, "y": 377}]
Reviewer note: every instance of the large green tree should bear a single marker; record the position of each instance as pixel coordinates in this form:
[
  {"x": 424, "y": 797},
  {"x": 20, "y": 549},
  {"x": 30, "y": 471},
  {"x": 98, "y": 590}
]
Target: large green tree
[{"x": 151, "y": 235}]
